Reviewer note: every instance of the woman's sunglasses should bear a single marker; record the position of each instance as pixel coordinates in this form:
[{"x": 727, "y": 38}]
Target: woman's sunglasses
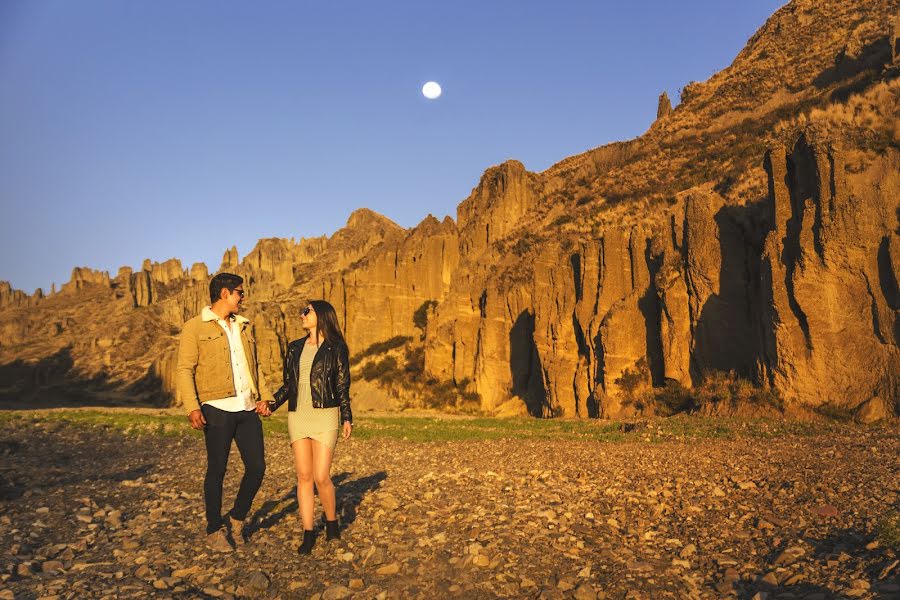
[{"x": 306, "y": 311}]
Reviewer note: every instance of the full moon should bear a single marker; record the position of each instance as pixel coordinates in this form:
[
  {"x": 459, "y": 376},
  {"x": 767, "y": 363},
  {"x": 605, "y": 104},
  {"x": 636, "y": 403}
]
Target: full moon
[{"x": 431, "y": 90}]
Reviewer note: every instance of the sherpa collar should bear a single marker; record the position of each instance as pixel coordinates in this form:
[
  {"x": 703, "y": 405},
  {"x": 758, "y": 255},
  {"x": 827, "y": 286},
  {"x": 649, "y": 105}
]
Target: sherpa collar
[{"x": 208, "y": 315}]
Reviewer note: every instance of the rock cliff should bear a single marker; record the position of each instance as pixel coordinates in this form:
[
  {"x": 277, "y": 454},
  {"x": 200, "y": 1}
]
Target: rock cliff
[{"x": 751, "y": 231}]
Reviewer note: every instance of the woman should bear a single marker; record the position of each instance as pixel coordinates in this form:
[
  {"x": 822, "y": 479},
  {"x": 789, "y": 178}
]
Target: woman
[{"x": 317, "y": 389}]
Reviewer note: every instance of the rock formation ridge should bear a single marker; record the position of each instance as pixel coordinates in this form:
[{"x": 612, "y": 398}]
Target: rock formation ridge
[{"x": 752, "y": 230}]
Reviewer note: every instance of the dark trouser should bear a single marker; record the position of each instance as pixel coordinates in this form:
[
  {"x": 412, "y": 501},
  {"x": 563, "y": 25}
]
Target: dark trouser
[{"x": 246, "y": 429}]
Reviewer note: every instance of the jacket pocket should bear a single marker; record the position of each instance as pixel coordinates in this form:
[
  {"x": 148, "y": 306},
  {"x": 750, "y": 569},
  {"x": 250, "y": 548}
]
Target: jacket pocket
[{"x": 208, "y": 344}]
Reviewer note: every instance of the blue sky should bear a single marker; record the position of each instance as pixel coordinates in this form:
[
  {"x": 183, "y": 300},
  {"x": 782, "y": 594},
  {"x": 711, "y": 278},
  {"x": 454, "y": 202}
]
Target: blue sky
[{"x": 139, "y": 129}]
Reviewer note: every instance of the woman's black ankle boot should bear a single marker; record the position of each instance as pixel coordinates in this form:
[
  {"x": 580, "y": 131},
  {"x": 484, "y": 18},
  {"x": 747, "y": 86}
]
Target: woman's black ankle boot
[
  {"x": 331, "y": 530},
  {"x": 309, "y": 539}
]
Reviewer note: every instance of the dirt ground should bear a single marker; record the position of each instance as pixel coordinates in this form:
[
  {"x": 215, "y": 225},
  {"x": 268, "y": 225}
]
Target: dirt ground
[{"x": 89, "y": 512}]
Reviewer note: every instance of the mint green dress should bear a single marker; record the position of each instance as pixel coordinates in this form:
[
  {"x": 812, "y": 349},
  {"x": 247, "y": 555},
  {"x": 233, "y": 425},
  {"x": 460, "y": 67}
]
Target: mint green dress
[{"x": 320, "y": 424}]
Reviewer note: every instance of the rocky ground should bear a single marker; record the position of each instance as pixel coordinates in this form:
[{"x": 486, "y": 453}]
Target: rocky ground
[{"x": 97, "y": 513}]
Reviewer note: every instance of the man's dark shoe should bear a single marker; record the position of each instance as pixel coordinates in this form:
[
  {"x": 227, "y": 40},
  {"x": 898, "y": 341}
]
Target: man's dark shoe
[
  {"x": 217, "y": 541},
  {"x": 309, "y": 539},
  {"x": 237, "y": 531},
  {"x": 332, "y": 531}
]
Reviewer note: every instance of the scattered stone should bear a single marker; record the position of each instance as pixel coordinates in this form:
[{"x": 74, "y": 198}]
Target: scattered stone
[
  {"x": 481, "y": 560},
  {"x": 258, "y": 582},
  {"x": 888, "y": 569},
  {"x": 585, "y": 592},
  {"x": 336, "y": 592},
  {"x": 50, "y": 566},
  {"x": 826, "y": 510},
  {"x": 788, "y": 556},
  {"x": 390, "y": 502},
  {"x": 762, "y": 524},
  {"x": 142, "y": 572},
  {"x": 391, "y": 569},
  {"x": 464, "y": 532},
  {"x": 724, "y": 587},
  {"x": 182, "y": 573},
  {"x": 872, "y": 410}
]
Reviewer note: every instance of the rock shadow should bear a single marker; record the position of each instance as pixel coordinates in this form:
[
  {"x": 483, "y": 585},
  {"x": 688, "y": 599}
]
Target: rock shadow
[
  {"x": 526, "y": 368},
  {"x": 96, "y": 458},
  {"x": 874, "y": 57},
  {"x": 726, "y": 334},
  {"x": 887, "y": 280},
  {"x": 650, "y": 309},
  {"x": 55, "y": 382},
  {"x": 846, "y": 542}
]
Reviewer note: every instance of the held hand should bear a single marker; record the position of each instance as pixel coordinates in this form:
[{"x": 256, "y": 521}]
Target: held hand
[
  {"x": 196, "y": 419},
  {"x": 348, "y": 429},
  {"x": 262, "y": 408}
]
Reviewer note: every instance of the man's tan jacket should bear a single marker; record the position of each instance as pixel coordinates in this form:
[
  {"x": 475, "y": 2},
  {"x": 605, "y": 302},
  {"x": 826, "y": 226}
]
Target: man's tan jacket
[{"x": 204, "y": 372}]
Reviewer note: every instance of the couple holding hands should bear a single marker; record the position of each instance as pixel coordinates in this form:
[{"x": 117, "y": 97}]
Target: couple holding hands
[{"x": 219, "y": 381}]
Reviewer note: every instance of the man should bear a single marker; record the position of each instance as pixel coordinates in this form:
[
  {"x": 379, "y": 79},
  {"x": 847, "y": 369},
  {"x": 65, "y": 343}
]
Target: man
[{"x": 219, "y": 381}]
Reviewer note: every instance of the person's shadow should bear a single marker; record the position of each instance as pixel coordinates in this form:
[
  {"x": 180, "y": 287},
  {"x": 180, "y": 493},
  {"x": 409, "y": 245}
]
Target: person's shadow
[{"x": 349, "y": 495}]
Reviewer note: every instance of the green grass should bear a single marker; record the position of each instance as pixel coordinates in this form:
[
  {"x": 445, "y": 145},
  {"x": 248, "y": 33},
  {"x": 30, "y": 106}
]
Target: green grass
[
  {"x": 889, "y": 530},
  {"x": 435, "y": 429}
]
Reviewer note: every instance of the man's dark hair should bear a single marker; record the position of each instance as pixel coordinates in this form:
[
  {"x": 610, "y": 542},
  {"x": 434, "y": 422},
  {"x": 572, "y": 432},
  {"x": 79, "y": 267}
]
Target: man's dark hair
[{"x": 223, "y": 281}]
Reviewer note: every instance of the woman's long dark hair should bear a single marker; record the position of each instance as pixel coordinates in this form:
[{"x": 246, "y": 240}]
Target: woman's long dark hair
[{"x": 327, "y": 322}]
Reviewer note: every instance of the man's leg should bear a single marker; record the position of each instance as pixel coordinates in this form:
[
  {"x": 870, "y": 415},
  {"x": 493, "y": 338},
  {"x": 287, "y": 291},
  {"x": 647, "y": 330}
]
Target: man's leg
[
  {"x": 249, "y": 437},
  {"x": 220, "y": 427}
]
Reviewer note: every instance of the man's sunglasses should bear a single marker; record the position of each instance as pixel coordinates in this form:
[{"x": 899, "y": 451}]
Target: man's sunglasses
[{"x": 241, "y": 292}]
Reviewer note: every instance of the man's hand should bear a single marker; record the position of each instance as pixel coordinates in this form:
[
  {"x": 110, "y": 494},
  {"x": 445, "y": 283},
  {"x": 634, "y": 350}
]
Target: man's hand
[
  {"x": 262, "y": 408},
  {"x": 348, "y": 429},
  {"x": 196, "y": 419}
]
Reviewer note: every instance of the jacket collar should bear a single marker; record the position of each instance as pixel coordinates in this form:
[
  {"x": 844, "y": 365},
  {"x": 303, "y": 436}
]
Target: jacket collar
[
  {"x": 325, "y": 343},
  {"x": 208, "y": 315}
]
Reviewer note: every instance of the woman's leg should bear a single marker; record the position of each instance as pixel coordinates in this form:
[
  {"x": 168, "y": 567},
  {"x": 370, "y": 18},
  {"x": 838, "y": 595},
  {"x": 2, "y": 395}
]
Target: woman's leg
[
  {"x": 321, "y": 461},
  {"x": 303, "y": 462}
]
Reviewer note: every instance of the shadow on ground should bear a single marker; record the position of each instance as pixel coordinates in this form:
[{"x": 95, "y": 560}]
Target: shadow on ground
[{"x": 349, "y": 495}]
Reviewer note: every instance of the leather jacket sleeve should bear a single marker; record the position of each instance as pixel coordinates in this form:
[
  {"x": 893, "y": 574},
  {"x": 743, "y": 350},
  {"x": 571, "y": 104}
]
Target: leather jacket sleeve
[
  {"x": 342, "y": 383},
  {"x": 289, "y": 387}
]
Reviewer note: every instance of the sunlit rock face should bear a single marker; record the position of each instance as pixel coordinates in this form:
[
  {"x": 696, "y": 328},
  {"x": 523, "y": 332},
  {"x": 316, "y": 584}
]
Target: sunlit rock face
[
  {"x": 830, "y": 272},
  {"x": 752, "y": 230}
]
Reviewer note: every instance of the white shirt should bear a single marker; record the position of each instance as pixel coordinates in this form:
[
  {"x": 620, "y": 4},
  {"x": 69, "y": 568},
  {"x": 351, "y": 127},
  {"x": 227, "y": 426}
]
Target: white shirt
[{"x": 240, "y": 371}]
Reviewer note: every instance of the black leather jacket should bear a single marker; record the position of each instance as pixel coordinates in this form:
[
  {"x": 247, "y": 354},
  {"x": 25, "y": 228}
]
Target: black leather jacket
[{"x": 329, "y": 377}]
